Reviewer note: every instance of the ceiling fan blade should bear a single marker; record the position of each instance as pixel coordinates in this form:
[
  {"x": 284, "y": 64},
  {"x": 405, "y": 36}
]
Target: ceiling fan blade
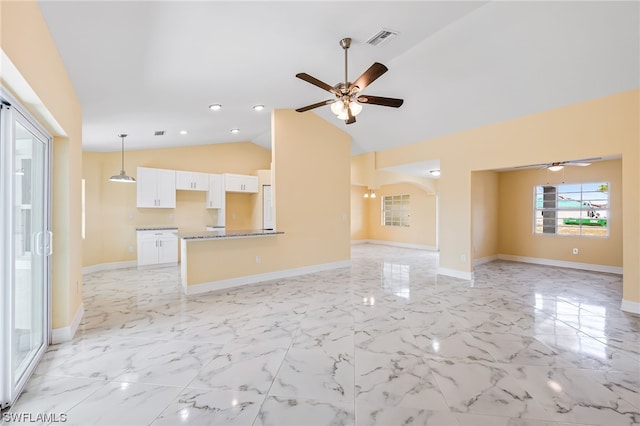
[
  {"x": 319, "y": 104},
  {"x": 368, "y": 77},
  {"x": 321, "y": 84},
  {"x": 350, "y": 117},
  {"x": 582, "y": 162},
  {"x": 531, "y": 166},
  {"x": 379, "y": 100}
]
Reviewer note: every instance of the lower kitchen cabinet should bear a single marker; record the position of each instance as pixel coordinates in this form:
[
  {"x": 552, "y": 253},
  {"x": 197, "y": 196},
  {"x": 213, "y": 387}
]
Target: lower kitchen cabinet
[{"x": 157, "y": 247}]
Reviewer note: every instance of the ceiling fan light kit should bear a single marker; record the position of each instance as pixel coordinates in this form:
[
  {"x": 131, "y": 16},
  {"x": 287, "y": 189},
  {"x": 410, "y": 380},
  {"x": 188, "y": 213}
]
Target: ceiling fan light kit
[
  {"x": 555, "y": 168},
  {"x": 348, "y": 103}
]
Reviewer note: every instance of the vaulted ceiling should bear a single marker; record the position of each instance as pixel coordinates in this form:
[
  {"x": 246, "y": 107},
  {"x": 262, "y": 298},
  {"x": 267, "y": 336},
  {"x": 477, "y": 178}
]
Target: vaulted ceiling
[{"x": 141, "y": 67}]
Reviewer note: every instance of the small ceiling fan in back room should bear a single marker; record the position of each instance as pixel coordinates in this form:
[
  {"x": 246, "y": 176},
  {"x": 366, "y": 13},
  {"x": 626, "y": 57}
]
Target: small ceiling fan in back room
[
  {"x": 559, "y": 165},
  {"x": 348, "y": 99}
]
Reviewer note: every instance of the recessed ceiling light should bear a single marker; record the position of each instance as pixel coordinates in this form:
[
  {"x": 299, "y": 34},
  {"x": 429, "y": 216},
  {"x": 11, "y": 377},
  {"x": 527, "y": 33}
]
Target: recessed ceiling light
[
  {"x": 234, "y": 131},
  {"x": 215, "y": 107},
  {"x": 258, "y": 107},
  {"x": 434, "y": 172},
  {"x": 183, "y": 132}
]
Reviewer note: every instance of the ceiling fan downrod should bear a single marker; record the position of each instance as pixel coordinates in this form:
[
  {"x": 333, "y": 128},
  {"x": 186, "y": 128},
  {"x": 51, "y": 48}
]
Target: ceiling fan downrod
[{"x": 345, "y": 43}]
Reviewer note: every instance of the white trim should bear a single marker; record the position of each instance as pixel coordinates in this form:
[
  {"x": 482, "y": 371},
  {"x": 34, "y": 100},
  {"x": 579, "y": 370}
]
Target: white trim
[
  {"x": 108, "y": 266},
  {"x": 485, "y": 259},
  {"x": 455, "y": 273},
  {"x": 631, "y": 307},
  {"x": 396, "y": 244},
  {"x": 21, "y": 88},
  {"x": 252, "y": 279},
  {"x": 65, "y": 334},
  {"x": 563, "y": 264}
]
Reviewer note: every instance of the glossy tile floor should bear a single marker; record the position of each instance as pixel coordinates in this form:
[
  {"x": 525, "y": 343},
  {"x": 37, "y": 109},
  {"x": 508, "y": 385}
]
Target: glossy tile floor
[{"x": 384, "y": 342}]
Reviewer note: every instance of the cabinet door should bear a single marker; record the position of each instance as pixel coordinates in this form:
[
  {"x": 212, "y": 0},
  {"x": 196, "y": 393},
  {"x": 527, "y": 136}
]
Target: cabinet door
[
  {"x": 183, "y": 180},
  {"x": 146, "y": 188},
  {"x": 233, "y": 183},
  {"x": 215, "y": 193},
  {"x": 167, "y": 248},
  {"x": 200, "y": 181},
  {"x": 166, "y": 188},
  {"x": 251, "y": 184},
  {"x": 147, "y": 251}
]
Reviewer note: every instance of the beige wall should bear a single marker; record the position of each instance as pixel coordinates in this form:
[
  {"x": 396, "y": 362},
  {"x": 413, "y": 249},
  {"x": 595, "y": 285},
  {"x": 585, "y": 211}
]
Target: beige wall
[
  {"x": 603, "y": 127},
  {"x": 422, "y": 230},
  {"x": 112, "y": 215},
  {"x": 484, "y": 214},
  {"x": 26, "y": 42},
  {"x": 312, "y": 206},
  {"x": 359, "y": 213},
  {"x": 516, "y": 216}
]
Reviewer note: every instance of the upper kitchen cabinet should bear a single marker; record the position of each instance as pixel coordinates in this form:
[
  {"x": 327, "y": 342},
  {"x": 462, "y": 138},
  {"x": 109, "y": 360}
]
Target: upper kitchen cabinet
[
  {"x": 215, "y": 195},
  {"x": 241, "y": 183},
  {"x": 192, "y": 181},
  {"x": 156, "y": 188}
]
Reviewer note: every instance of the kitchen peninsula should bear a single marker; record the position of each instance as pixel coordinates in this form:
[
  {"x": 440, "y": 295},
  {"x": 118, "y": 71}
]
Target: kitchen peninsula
[{"x": 210, "y": 259}]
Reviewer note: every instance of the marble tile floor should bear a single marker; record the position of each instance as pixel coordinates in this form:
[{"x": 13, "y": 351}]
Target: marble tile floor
[{"x": 385, "y": 342}]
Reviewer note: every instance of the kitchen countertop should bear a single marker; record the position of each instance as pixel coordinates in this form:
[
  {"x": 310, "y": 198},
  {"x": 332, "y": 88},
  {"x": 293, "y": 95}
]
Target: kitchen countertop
[
  {"x": 222, "y": 233},
  {"x": 156, "y": 228}
]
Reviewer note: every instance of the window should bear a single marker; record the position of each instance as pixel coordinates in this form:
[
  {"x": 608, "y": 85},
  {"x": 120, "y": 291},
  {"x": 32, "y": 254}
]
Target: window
[
  {"x": 580, "y": 209},
  {"x": 395, "y": 210}
]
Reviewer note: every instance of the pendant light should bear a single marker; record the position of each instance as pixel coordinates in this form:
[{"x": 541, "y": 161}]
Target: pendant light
[{"x": 122, "y": 177}]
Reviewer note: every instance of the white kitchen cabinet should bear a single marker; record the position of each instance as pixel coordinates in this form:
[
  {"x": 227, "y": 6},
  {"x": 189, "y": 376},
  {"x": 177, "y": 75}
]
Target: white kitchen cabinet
[
  {"x": 157, "y": 247},
  {"x": 156, "y": 188},
  {"x": 241, "y": 183},
  {"x": 192, "y": 181},
  {"x": 215, "y": 195}
]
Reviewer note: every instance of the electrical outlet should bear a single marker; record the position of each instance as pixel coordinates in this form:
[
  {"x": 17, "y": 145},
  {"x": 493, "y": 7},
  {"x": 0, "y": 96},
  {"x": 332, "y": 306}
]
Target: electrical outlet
[
  {"x": 258, "y": 259},
  {"x": 575, "y": 250},
  {"x": 463, "y": 258},
  {"x": 130, "y": 249}
]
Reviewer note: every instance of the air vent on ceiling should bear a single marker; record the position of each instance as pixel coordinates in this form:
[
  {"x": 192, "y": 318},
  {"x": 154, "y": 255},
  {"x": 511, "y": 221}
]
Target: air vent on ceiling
[
  {"x": 381, "y": 37},
  {"x": 158, "y": 133}
]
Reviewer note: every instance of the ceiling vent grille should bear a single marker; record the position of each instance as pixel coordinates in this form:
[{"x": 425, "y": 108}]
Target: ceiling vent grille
[
  {"x": 158, "y": 133},
  {"x": 381, "y": 37}
]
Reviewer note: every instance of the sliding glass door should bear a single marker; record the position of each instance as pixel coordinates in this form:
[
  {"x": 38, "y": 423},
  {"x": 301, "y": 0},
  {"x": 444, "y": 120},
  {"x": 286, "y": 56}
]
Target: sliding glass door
[{"x": 26, "y": 248}]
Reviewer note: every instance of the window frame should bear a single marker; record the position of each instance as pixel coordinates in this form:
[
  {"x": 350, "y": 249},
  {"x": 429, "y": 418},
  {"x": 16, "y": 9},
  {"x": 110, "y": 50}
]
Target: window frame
[
  {"x": 589, "y": 213},
  {"x": 398, "y": 214}
]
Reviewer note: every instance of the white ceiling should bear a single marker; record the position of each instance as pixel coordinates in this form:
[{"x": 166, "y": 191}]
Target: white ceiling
[{"x": 138, "y": 67}]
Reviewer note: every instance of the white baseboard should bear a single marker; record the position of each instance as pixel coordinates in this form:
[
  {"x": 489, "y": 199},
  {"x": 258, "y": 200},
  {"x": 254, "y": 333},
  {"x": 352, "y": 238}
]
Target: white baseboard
[
  {"x": 563, "y": 264},
  {"x": 456, "y": 274},
  {"x": 109, "y": 266},
  {"x": 631, "y": 307},
  {"x": 483, "y": 260},
  {"x": 65, "y": 334},
  {"x": 395, "y": 244},
  {"x": 253, "y": 279}
]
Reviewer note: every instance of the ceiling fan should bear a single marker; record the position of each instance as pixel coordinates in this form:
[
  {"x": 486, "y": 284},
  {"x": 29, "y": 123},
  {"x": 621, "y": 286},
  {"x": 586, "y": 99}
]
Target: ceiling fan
[
  {"x": 348, "y": 100},
  {"x": 559, "y": 165}
]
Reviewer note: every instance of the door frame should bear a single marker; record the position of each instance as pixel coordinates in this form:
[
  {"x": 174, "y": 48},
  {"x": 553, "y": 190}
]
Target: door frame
[{"x": 17, "y": 113}]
